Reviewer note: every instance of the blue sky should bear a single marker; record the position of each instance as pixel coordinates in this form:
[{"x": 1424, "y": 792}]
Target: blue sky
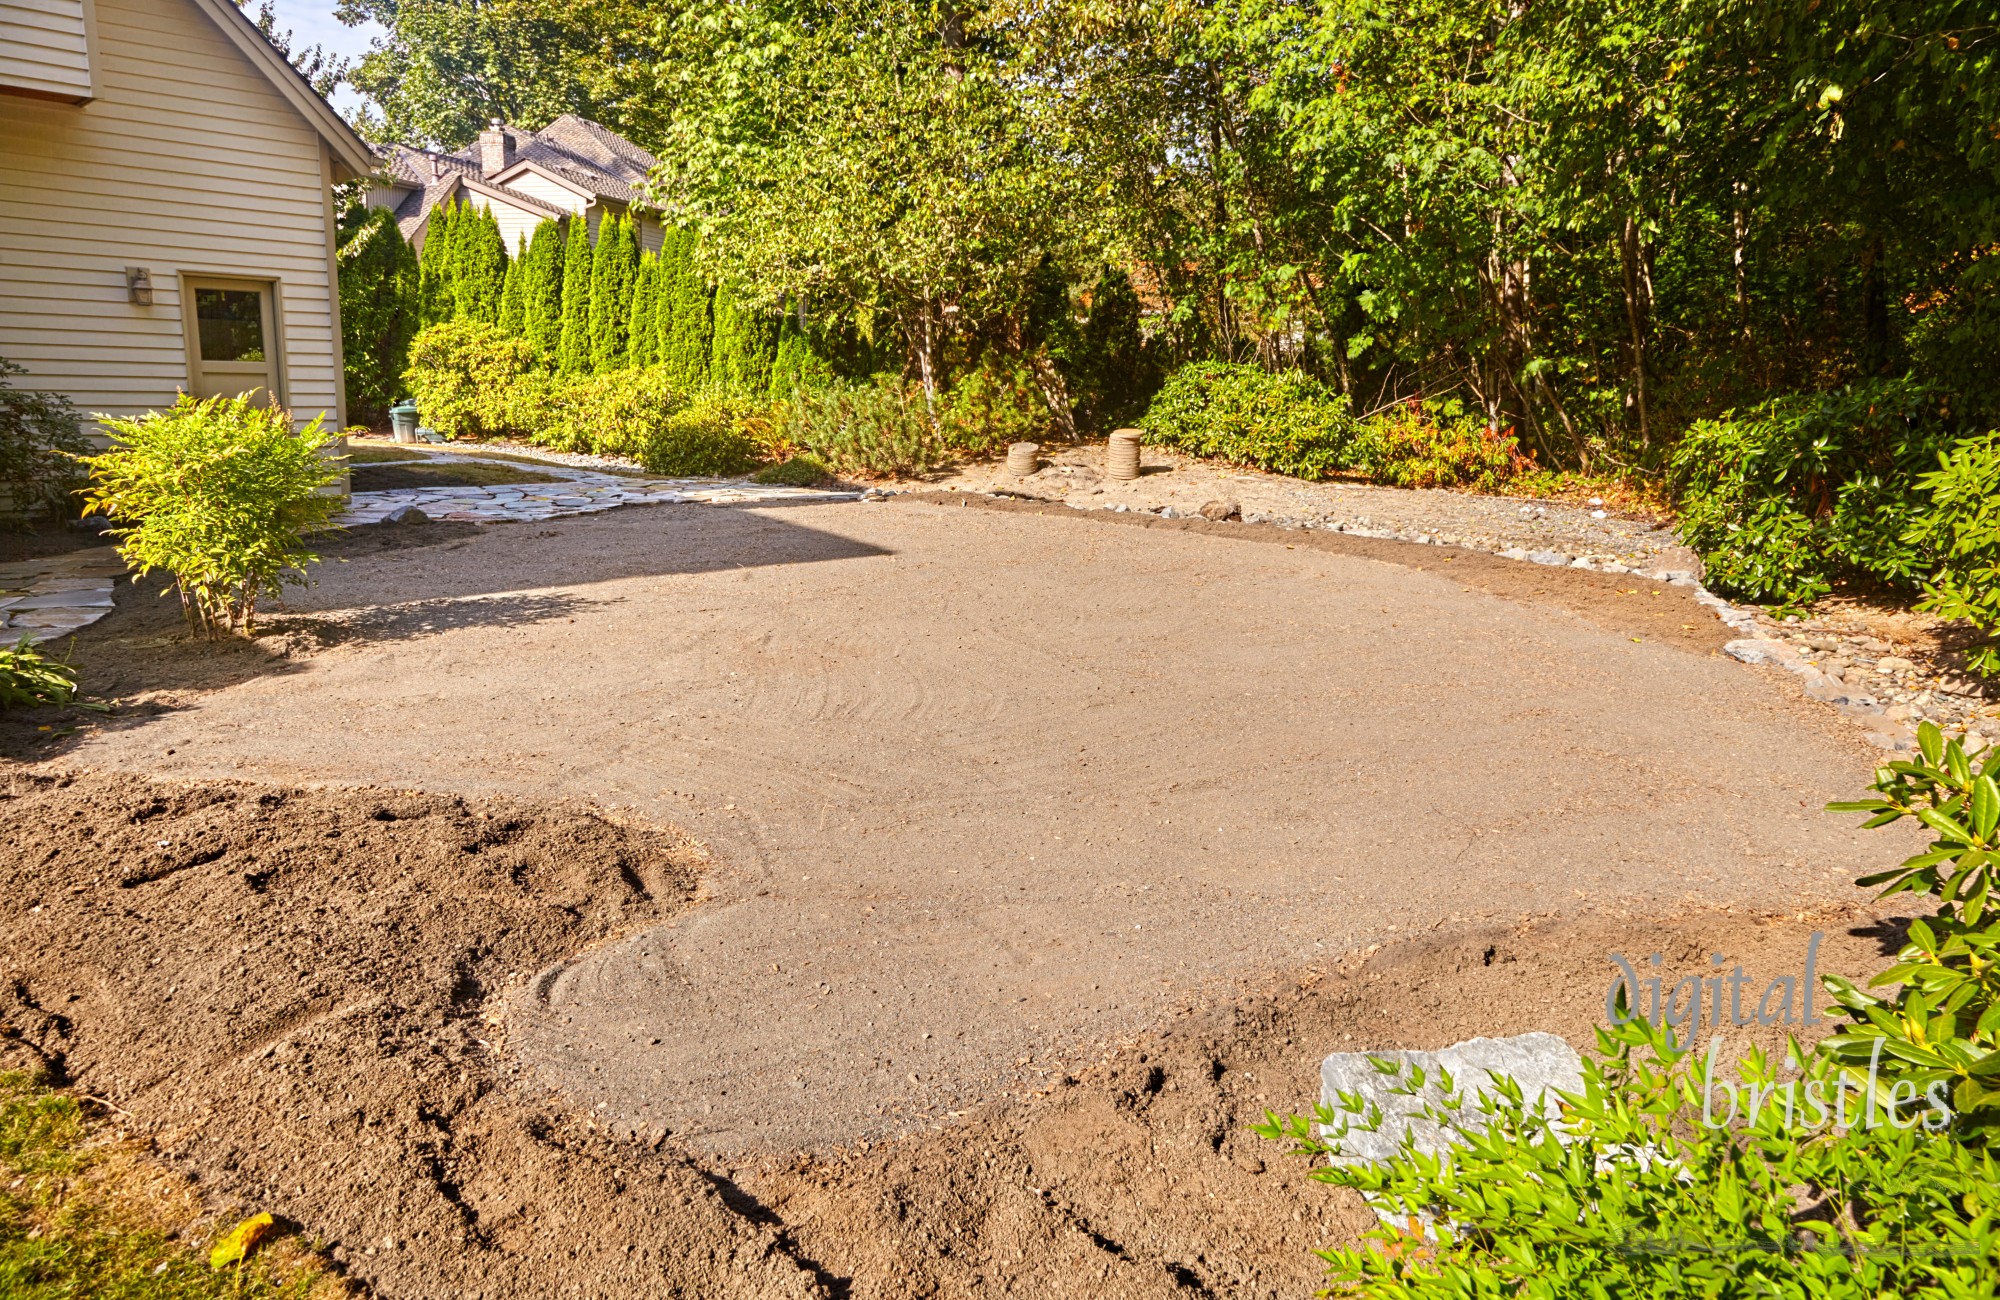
[{"x": 311, "y": 22}]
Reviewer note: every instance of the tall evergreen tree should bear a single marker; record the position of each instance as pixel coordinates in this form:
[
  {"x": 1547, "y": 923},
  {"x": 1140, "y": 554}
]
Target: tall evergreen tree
[
  {"x": 542, "y": 289},
  {"x": 482, "y": 265},
  {"x": 797, "y": 362},
  {"x": 746, "y": 341},
  {"x": 513, "y": 294},
  {"x": 612, "y": 272},
  {"x": 684, "y": 321},
  {"x": 436, "y": 267},
  {"x": 642, "y": 331},
  {"x": 378, "y": 310},
  {"x": 573, "y": 340}
]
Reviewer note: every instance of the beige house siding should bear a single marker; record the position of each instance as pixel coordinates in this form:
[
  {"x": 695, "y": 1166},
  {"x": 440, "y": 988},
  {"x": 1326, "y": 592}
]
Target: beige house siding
[
  {"x": 516, "y": 224},
  {"x": 45, "y": 48},
  {"x": 188, "y": 162},
  {"x": 554, "y": 193}
]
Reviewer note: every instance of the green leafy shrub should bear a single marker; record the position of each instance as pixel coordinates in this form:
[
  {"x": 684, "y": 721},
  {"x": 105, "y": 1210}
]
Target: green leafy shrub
[
  {"x": 40, "y": 439},
  {"x": 1636, "y": 1189},
  {"x": 463, "y": 375},
  {"x": 1942, "y": 1026},
  {"x": 710, "y": 436},
  {"x": 797, "y": 471},
  {"x": 1288, "y": 423},
  {"x": 616, "y": 413},
  {"x": 1436, "y": 444},
  {"x": 219, "y": 494},
  {"x": 29, "y": 678},
  {"x": 1783, "y": 498},
  {"x": 1961, "y": 528},
  {"x": 877, "y": 429}
]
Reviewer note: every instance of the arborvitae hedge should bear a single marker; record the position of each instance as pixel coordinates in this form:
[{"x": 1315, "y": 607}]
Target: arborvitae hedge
[
  {"x": 642, "y": 329},
  {"x": 684, "y": 322},
  {"x": 572, "y": 353},
  {"x": 746, "y": 341},
  {"x": 480, "y": 264},
  {"x": 378, "y": 311},
  {"x": 613, "y": 268},
  {"x": 437, "y": 299},
  {"x": 542, "y": 289},
  {"x": 799, "y": 361},
  {"x": 513, "y": 296}
]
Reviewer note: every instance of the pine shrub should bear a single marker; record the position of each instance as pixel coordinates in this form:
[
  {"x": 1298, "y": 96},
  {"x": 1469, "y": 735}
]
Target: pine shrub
[
  {"x": 572, "y": 355},
  {"x": 685, "y": 316},
  {"x": 542, "y": 290},
  {"x": 613, "y": 268},
  {"x": 378, "y": 310},
  {"x": 642, "y": 331},
  {"x": 513, "y": 292},
  {"x": 744, "y": 346},
  {"x": 480, "y": 265}
]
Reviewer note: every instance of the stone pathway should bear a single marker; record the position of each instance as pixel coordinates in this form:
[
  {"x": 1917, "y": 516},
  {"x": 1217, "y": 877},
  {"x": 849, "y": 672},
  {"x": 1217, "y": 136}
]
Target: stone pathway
[
  {"x": 52, "y": 597},
  {"x": 580, "y": 492}
]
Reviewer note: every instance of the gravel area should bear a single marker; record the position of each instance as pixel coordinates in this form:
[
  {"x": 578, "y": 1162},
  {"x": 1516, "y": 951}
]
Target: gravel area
[{"x": 1173, "y": 485}]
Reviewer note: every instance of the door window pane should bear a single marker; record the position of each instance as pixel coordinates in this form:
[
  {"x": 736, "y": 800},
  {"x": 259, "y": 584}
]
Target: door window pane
[{"x": 231, "y": 322}]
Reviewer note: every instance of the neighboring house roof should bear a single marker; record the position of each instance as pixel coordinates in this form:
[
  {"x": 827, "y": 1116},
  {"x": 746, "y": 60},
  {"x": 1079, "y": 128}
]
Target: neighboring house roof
[
  {"x": 591, "y": 159},
  {"x": 349, "y": 149},
  {"x": 410, "y": 168}
]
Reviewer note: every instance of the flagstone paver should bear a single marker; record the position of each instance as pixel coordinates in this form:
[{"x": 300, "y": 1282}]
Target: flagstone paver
[
  {"x": 46, "y": 598},
  {"x": 581, "y": 491}
]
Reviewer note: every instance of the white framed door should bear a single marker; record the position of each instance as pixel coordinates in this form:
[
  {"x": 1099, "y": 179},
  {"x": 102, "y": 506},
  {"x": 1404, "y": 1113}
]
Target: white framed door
[{"x": 232, "y": 337}]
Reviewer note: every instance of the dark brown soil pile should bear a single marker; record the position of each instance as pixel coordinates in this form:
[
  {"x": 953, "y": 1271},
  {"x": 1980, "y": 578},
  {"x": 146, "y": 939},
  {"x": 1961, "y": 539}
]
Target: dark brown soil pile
[
  {"x": 297, "y": 993},
  {"x": 286, "y": 988}
]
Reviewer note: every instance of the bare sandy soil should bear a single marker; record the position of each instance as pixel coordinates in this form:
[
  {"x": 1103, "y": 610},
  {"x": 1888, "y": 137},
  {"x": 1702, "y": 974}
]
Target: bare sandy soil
[
  {"x": 988, "y": 789},
  {"x": 298, "y": 994}
]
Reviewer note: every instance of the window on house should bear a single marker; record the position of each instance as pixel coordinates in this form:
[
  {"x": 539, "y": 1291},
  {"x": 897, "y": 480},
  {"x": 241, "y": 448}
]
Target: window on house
[{"x": 234, "y": 343}]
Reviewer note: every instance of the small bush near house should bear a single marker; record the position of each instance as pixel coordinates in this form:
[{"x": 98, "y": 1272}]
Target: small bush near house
[
  {"x": 877, "y": 429},
  {"x": 29, "y": 678},
  {"x": 1661, "y": 1178},
  {"x": 1436, "y": 445},
  {"x": 1960, "y": 527},
  {"x": 612, "y": 414},
  {"x": 219, "y": 494},
  {"x": 40, "y": 439},
  {"x": 1782, "y": 499},
  {"x": 1288, "y": 423},
  {"x": 465, "y": 378}
]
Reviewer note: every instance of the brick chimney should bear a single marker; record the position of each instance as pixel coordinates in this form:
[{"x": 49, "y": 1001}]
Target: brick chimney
[{"x": 496, "y": 149}]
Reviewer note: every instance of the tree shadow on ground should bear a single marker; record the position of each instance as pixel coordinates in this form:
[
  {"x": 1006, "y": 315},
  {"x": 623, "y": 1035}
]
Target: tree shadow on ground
[{"x": 386, "y": 583}]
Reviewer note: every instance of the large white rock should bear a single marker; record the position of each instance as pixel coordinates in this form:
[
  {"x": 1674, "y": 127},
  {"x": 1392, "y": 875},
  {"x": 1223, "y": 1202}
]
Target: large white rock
[{"x": 1540, "y": 1063}]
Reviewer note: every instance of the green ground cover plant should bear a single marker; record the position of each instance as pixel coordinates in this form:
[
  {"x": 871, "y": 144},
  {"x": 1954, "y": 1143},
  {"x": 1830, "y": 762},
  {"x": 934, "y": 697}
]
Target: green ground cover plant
[
  {"x": 1960, "y": 530},
  {"x": 219, "y": 494},
  {"x": 30, "y": 677},
  {"x": 1639, "y": 1185},
  {"x": 795, "y": 471},
  {"x": 81, "y": 1217}
]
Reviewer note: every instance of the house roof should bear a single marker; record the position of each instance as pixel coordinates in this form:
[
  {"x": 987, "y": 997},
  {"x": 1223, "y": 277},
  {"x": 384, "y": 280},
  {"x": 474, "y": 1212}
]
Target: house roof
[
  {"x": 351, "y": 153},
  {"x": 426, "y": 193},
  {"x": 574, "y": 151}
]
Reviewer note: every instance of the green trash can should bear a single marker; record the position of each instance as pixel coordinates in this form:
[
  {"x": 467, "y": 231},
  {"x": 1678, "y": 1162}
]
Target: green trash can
[{"x": 403, "y": 421}]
